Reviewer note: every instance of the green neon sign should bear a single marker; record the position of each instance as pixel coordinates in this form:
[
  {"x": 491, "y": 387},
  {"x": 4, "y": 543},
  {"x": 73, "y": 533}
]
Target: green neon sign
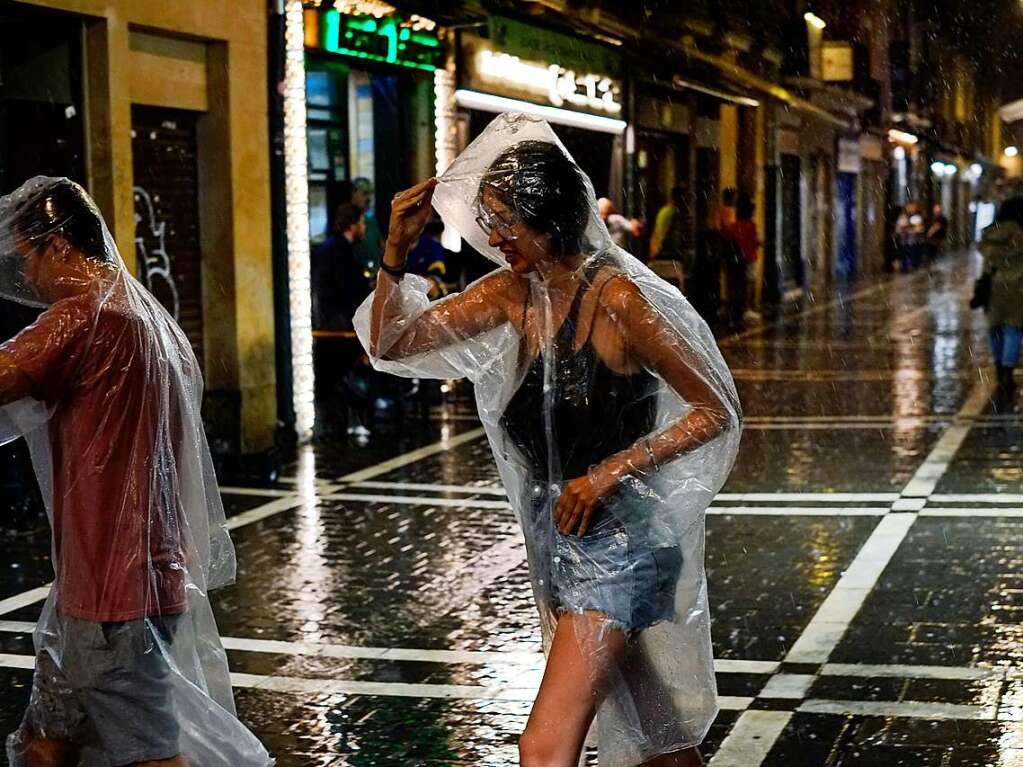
[{"x": 384, "y": 40}]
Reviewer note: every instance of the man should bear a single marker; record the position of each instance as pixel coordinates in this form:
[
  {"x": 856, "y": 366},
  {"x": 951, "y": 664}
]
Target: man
[
  {"x": 618, "y": 226},
  {"x": 937, "y": 233},
  {"x": 370, "y": 247},
  {"x": 428, "y": 259},
  {"x": 138, "y": 534},
  {"x": 338, "y": 277},
  {"x": 668, "y": 240},
  {"x": 339, "y": 285}
]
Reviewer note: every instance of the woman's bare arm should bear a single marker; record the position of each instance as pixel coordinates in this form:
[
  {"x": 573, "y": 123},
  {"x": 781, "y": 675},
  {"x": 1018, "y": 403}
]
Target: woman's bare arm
[{"x": 477, "y": 309}]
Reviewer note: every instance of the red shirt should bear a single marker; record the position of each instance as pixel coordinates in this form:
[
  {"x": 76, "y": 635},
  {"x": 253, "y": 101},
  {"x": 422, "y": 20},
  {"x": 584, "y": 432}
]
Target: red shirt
[
  {"x": 116, "y": 527},
  {"x": 744, "y": 232}
]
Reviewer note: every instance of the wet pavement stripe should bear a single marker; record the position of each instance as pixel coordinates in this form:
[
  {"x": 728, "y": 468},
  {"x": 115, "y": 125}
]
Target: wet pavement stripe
[
  {"x": 939, "y": 511},
  {"x": 269, "y": 492},
  {"x": 380, "y": 485},
  {"x": 993, "y": 498},
  {"x": 913, "y": 672},
  {"x": 818, "y": 497},
  {"x": 18, "y": 601},
  {"x": 936, "y": 464},
  {"x": 827, "y": 626},
  {"x": 901, "y": 709},
  {"x": 806, "y": 511},
  {"x": 412, "y": 456},
  {"x": 419, "y": 500},
  {"x": 262, "y": 512},
  {"x": 751, "y": 738}
]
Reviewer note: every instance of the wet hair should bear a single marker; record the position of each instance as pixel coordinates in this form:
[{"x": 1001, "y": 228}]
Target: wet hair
[
  {"x": 1010, "y": 210},
  {"x": 348, "y": 215},
  {"x": 546, "y": 190},
  {"x": 678, "y": 195},
  {"x": 744, "y": 206},
  {"x": 728, "y": 196},
  {"x": 64, "y": 208}
]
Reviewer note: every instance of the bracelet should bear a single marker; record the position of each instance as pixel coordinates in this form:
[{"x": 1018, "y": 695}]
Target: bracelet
[
  {"x": 650, "y": 452},
  {"x": 394, "y": 272}
]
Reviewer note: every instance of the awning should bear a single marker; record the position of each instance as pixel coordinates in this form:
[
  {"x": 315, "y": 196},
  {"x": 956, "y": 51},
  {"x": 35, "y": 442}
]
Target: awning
[
  {"x": 741, "y": 76},
  {"x": 488, "y": 102}
]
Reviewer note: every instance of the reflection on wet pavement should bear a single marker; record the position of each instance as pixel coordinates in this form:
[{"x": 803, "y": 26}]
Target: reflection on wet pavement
[{"x": 863, "y": 561}]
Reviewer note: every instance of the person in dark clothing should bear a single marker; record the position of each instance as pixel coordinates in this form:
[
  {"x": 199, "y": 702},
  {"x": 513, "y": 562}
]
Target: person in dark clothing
[
  {"x": 339, "y": 283},
  {"x": 429, "y": 259},
  {"x": 937, "y": 233}
]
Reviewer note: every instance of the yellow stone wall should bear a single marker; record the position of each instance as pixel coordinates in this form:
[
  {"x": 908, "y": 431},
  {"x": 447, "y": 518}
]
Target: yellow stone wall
[{"x": 208, "y": 56}]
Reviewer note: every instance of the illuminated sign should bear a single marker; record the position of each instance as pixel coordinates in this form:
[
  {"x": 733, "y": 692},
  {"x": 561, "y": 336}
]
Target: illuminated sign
[
  {"x": 389, "y": 39},
  {"x": 558, "y": 85}
]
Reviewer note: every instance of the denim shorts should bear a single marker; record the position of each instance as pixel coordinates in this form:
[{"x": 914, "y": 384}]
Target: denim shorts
[
  {"x": 111, "y": 689},
  {"x": 612, "y": 569}
]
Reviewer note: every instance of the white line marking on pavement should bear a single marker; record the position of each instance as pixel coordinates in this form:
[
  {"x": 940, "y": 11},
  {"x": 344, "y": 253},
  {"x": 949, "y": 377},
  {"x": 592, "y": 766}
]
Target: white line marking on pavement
[
  {"x": 17, "y": 661},
  {"x": 905, "y": 709},
  {"x": 751, "y": 738},
  {"x": 418, "y": 500},
  {"x": 412, "y": 457},
  {"x": 798, "y": 497},
  {"x": 912, "y": 672},
  {"x": 975, "y": 498},
  {"x": 18, "y": 601},
  {"x": 980, "y": 513},
  {"x": 270, "y": 492},
  {"x": 804, "y": 511},
  {"x": 790, "y": 686},
  {"x": 930, "y": 472},
  {"x": 262, "y": 512},
  {"x": 831, "y": 620},
  {"x": 484, "y": 490}
]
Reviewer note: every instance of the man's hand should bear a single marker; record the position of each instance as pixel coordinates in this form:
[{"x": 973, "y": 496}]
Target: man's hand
[{"x": 13, "y": 383}]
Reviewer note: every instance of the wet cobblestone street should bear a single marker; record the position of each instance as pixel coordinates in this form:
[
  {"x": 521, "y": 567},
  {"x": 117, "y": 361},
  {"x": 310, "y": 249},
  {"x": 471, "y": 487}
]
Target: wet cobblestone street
[{"x": 864, "y": 564}]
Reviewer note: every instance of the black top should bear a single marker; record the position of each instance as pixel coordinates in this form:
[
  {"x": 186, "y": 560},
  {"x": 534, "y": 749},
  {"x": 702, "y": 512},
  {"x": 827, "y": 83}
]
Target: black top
[{"x": 595, "y": 413}]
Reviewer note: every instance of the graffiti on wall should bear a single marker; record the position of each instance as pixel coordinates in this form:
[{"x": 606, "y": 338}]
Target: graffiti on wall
[{"x": 154, "y": 263}]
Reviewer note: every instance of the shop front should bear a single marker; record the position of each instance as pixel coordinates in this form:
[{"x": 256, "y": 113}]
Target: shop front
[
  {"x": 573, "y": 84},
  {"x": 356, "y": 124}
]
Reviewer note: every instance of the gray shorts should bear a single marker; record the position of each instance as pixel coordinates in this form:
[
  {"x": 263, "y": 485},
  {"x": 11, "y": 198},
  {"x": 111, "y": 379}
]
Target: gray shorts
[{"x": 111, "y": 689}]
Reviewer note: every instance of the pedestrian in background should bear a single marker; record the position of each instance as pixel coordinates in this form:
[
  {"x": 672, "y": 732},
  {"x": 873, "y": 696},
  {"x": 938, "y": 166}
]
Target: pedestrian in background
[
  {"x": 618, "y": 226},
  {"x": 429, "y": 259},
  {"x": 370, "y": 247},
  {"x": 667, "y": 243},
  {"x": 937, "y": 233},
  {"x": 746, "y": 242},
  {"x": 1002, "y": 248}
]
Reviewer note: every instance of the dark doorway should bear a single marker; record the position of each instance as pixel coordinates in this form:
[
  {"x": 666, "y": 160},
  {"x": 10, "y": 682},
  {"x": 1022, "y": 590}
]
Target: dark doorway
[
  {"x": 846, "y": 224},
  {"x": 791, "y": 223},
  {"x": 167, "y": 243}
]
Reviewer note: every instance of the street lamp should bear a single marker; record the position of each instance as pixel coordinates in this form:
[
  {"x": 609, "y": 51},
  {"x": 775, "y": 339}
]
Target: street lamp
[
  {"x": 1011, "y": 151},
  {"x": 814, "y": 20}
]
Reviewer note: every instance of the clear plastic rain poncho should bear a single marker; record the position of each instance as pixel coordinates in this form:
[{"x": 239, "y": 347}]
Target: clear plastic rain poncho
[
  {"x": 592, "y": 376},
  {"x": 129, "y": 664}
]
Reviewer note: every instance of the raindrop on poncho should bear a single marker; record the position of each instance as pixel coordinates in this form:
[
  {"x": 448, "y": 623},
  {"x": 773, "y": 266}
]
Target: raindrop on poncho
[
  {"x": 129, "y": 665},
  {"x": 599, "y": 370}
]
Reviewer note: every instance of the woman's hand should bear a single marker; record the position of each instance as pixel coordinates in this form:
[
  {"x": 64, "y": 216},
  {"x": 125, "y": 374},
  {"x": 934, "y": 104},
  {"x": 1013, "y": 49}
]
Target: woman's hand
[
  {"x": 581, "y": 497},
  {"x": 410, "y": 210}
]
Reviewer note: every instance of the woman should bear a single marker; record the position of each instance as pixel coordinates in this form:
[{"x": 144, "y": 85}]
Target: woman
[
  {"x": 613, "y": 421},
  {"x": 1002, "y": 247}
]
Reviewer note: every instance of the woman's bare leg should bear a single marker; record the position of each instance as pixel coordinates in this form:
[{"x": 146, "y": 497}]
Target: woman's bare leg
[{"x": 582, "y": 654}]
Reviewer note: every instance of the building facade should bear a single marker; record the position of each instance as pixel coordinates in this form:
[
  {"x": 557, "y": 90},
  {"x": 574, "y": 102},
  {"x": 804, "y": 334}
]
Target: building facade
[{"x": 151, "y": 106}]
